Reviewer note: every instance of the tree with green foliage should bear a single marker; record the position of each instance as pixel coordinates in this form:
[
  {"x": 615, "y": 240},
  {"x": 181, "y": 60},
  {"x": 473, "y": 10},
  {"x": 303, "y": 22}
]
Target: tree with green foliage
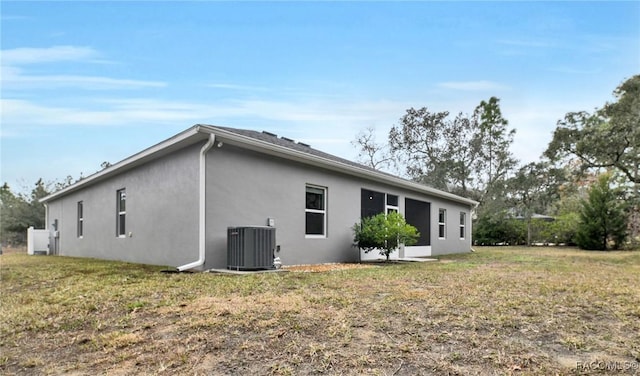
[
  {"x": 384, "y": 232},
  {"x": 602, "y": 219},
  {"x": 19, "y": 211},
  {"x": 608, "y": 138},
  {"x": 467, "y": 155},
  {"x": 424, "y": 142},
  {"x": 532, "y": 190},
  {"x": 492, "y": 141},
  {"x": 9, "y": 205}
]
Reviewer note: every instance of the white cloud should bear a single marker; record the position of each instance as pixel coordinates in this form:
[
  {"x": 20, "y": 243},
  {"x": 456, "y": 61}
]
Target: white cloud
[
  {"x": 28, "y": 55},
  {"x": 13, "y": 17},
  {"x": 329, "y": 125},
  {"x": 17, "y": 114},
  {"x": 120, "y": 111},
  {"x": 294, "y": 112},
  {"x": 472, "y": 85},
  {"x": 237, "y": 87},
  {"x": 13, "y": 78},
  {"x": 528, "y": 43},
  {"x": 572, "y": 70}
]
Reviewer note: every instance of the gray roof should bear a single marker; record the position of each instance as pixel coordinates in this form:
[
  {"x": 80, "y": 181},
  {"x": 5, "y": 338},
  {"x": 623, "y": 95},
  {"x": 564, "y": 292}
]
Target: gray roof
[{"x": 298, "y": 146}]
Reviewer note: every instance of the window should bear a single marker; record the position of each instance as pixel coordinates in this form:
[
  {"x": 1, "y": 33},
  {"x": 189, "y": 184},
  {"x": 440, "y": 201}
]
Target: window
[
  {"x": 442, "y": 223},
  {"x": 463, "y": 225},
  {"x": 315, "y": 212},
  {"x": 373, "y": 203},
  {"x": 392, "y": 204},
  {"x": 80, "y": 219},
  {"x": 121, "y": 213}
]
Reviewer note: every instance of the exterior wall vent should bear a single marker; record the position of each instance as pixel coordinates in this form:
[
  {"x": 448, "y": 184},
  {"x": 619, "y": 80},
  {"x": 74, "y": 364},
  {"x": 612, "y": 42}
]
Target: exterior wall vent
[{"x": 250, "y": 248}]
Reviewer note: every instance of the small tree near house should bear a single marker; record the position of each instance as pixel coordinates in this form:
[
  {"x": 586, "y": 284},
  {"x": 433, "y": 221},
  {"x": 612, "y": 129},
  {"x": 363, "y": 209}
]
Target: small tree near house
[{"x": 384, "y": 232}]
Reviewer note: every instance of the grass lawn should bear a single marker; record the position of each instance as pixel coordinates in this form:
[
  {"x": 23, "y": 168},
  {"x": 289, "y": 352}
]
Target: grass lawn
[{"x": 539, "y": 311}]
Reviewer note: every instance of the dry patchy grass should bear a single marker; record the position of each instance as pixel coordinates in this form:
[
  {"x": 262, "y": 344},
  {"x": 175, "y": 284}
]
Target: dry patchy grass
[{"x": 535, "y": 311}]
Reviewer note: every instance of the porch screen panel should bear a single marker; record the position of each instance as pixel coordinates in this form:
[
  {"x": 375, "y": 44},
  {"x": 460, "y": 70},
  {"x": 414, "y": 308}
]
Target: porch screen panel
[
  {"x": 371, "y": 203},
  {"x": 418, "y": 214}
]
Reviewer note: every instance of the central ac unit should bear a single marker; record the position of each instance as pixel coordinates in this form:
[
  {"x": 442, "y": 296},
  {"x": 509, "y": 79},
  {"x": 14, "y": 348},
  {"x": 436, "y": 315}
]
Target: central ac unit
[{"x": 250, "y": 248}]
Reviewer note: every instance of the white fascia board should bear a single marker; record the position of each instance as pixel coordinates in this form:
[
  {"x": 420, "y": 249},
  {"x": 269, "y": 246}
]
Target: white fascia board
[
  {"x": 295, "y": 155},
  {"x": 135, "y": 160}
]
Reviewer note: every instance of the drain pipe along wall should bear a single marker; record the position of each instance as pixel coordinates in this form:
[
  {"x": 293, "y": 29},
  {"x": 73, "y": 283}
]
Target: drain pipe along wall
[{"x": 202, "y": 206}]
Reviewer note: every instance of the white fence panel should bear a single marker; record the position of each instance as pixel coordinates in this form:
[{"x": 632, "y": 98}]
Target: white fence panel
[{"x": 37, "y": 241}]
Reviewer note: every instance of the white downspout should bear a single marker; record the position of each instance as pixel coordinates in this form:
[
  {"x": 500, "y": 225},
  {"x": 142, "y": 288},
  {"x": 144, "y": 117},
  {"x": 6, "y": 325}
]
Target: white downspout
[
  {"x": 46, "y": 216},
  {"x": 46, "y": 226},
  {"x": 202, "y": 206}
]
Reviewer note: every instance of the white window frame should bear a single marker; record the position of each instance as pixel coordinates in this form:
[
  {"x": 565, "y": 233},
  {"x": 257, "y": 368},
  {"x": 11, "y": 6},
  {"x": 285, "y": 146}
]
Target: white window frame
[
  {"x": 442, "y": 224},
  {"x": 80, "y": 211},
  {"x": 121, "y": 213},
  {"x": 463, "y": 225},
  {"x": 317, "y": 211}
]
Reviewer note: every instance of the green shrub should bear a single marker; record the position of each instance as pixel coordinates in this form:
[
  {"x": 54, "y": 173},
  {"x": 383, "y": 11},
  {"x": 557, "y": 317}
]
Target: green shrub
[
  {"x": 492, "y": 228},
  {"x": 384, "y": 232}
]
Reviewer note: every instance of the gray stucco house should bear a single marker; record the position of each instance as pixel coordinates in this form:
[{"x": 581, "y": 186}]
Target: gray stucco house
[{"x": 172, "y": 203}]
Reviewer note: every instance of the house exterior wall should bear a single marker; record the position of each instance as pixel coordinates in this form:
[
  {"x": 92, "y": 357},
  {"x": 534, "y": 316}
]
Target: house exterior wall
[
  {"x": 246, "y": 188},
  {"x": 451, "y": 243},
  {"x": 161, "y": 214},
  {"x": 243, "y": 188}
]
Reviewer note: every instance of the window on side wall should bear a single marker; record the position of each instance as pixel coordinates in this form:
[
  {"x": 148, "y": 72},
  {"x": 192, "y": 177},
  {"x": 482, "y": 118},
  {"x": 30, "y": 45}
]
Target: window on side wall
[
  {"x": 373, "y": 203},
  {"x": 121, "y": 228},
  {"x": 392, "y": 204},
  {"x": 80, "y": 219},
  {"x": 442, "y": 223},
  {"x": 463, "y": 225},
  {"x": 315, "y": 212}
]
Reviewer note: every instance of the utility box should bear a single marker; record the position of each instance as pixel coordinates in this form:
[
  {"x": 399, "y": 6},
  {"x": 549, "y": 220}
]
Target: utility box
[{"x": 250, "y": 248}]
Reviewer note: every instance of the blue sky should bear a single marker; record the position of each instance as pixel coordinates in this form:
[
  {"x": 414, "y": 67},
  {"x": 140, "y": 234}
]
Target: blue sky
[{"x": 87, "y": 82}]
